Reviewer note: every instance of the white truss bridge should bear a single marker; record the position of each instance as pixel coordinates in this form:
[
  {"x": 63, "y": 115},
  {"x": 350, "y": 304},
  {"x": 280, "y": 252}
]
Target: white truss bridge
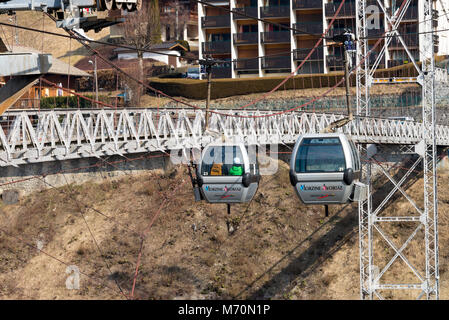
[{"x": 33, "y": 137}]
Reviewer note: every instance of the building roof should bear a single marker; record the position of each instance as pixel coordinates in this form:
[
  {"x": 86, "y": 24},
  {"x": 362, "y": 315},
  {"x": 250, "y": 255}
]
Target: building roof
[
  {"x": 168, "y": 46},
  {"x": 57, "y": 67}
]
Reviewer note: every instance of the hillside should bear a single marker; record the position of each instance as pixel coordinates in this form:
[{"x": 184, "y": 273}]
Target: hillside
[
  {"x": 280, "y": 249},
  {"x": 290, "y": 97},
  {"x": 69, "y": 51}
]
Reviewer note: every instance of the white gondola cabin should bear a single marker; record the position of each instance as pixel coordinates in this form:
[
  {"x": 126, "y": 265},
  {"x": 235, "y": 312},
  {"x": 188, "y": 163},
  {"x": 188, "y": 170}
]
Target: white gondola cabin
[
  {"x": 325, "y": 169},
  {"x": 225, "y": 174}
]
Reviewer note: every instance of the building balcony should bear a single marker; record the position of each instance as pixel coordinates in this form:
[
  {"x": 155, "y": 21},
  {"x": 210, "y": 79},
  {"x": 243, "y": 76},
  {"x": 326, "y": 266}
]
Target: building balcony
[
  {"x": 218, "y": 2},
  {"x": 401, "y": 57},
  {"x": 310, "y": 67},
  {"x": 245, "y": 38},
  {"x": 221, "y": 72},
  {"x": 412, "y": 41},
  {"x": 410, "y": 15},
  {"x": 307, "y": 28},
  {"x": 399, "y": 62},
  {"x": 275, "y": 37},
  {"x": 307, "y": 4},
  {"x": 216, "y": 47},
  {"x": 395, "y": 63},
  {"x": 216, "y": 21},
  {"x": 301, "y": 54},
  {"x": 347, "y": 10},
  {"x": 279, "y": 62},
  {"x": 334, "y": 62},
  {"x": 245, "y": 64},
  {"x": 248, "y": 11},
  {"x": 275, "y": 12},
  {"x": 336, "y": 31},
  {"x": 373, "y": 57},
  {"x": 375, "y": 33}
]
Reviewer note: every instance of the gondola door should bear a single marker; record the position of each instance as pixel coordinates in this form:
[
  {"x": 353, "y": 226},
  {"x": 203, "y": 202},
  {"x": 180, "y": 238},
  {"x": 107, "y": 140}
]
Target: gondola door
[
  {"x": 322, "y": 169},
  {"x": 224, "y": 172}
]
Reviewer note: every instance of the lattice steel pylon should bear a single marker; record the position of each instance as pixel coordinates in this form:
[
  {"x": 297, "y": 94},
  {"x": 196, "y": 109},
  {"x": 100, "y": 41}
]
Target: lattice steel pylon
[
  {"x": 362, "y": 108},
  {"x": 415, "y": 235},
  {"x": 430, "y": 154}
]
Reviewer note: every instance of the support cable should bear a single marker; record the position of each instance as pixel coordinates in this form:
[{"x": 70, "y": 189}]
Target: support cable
[{"x": 60, "y": 261}]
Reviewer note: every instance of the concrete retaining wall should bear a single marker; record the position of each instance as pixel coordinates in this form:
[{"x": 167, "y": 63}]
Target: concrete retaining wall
[{"x": 39, "y": 176}]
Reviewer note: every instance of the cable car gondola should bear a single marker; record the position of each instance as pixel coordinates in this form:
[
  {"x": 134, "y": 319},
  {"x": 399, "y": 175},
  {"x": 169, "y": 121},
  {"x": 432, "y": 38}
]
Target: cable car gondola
[
  {"x": 325, "y": 169},
  {"x": 225, "y": 174}
]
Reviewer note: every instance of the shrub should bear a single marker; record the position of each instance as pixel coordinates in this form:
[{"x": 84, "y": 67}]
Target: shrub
[
  {"x": 107, "y": 79},
  {"x": 173, "y": 75},
  {"x": 70, "y": 102},
  {"x": 222, "y": 88}
]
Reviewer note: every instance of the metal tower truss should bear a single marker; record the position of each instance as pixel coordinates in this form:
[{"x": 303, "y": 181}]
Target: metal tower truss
[
  {"x": 362, "y": 95},
  {"x": 399, "y": 252},
  {"x": 362, "y": 75},
  {"x": 429, "y": 155},
  {"x": 392, "y": 31}
]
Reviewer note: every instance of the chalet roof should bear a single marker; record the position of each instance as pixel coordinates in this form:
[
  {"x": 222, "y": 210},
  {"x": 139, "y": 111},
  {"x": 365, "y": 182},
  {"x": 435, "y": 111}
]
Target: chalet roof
[{"x": 168, "y": 46}]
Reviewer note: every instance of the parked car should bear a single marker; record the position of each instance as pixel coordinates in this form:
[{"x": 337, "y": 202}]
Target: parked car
[{"x": 193, "y": 73}]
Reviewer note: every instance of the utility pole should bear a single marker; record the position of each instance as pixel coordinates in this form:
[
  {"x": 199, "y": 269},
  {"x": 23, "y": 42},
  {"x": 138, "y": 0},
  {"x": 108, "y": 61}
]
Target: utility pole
[
  {"x": 348, "y": 102},
  {"x": 96, "y": 80},
  {"x": 209, "y": 84},
  {"x": 208, "y": 63},
  {"x": 347, "y": 41},
  {"x": 95, "y": 77}
]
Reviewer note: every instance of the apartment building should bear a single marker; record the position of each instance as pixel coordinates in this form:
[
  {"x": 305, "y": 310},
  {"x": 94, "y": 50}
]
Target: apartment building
[
  {"x": 178, "y": 21},
  {"x": 257, "y": 48}
]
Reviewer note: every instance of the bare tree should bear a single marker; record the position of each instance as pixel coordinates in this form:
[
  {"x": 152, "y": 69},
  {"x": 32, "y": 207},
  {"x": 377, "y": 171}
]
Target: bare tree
[
  {"x": 141, "y": 30},
  {"x": 176, "y": 14}
]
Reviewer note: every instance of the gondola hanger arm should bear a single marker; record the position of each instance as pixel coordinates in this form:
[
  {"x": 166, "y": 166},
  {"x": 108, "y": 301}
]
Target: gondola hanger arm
[{"x": 337, "y": 124}]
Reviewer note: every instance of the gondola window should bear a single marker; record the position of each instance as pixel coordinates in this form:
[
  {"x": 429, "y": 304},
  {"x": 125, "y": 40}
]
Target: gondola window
[
  {"x": 320, "y": 155},
  {"x": 222, "y": 161}
]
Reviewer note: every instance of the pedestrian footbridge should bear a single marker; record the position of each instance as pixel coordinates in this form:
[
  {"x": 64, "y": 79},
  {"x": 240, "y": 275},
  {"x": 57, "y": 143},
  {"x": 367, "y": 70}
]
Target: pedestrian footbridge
[{"x": 39, "y": 136}]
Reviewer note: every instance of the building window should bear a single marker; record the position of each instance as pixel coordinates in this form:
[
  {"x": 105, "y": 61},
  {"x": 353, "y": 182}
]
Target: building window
[{"x": 167, "y": 33}]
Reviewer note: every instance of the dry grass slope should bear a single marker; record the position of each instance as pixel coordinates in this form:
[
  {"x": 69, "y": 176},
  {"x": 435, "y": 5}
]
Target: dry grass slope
[
  {"x": 280, "y": 250},
  {"x": 69, "y": 51}
]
